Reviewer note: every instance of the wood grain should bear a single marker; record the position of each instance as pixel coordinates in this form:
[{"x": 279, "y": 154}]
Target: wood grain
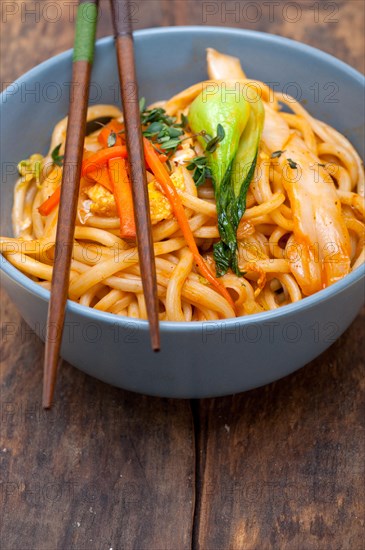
[
  {"x": 335, "y": 27},
  {"x": 104, "y": 468},
  {"x": 280, "y": 467}
]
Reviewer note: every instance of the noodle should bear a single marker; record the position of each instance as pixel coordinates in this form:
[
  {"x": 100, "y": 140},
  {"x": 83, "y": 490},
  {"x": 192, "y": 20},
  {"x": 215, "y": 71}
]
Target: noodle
[{"x": 276, "y": 225}]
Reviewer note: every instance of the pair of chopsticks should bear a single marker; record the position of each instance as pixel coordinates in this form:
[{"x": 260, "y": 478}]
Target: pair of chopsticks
[{"x": 87, "y": 15}]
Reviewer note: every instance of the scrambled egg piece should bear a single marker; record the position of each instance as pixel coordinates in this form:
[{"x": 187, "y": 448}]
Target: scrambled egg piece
[
  {"x": 103, "y": 203},
  {"x": 160, "y": 207}
]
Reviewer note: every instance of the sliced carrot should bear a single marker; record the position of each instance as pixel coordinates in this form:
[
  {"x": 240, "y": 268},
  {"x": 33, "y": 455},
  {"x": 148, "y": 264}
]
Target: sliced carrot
[
  {"x": 49, "y": 204},
  {"x": 94, "y": 165},
  {"x": 101, "y": 175},
  {"x": 169, "y": 189},
  {"x": 112, "y": 126},
  {"x": 123, "y": 197},
  {"x": 101, "y": 157}
]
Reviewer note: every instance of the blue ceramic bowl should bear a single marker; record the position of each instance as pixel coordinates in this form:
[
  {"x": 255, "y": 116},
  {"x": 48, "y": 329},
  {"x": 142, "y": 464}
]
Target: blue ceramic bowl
[{"x": 196, "y": 359}]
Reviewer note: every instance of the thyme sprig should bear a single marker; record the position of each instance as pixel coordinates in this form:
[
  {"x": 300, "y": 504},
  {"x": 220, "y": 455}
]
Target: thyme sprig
[
  {"x": 56, "y": 157},
  {"x": 201, "y": 170}
]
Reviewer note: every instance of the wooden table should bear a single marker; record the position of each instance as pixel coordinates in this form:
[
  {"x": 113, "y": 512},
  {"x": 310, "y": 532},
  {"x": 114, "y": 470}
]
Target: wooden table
[{"x": 279, "y": 467}]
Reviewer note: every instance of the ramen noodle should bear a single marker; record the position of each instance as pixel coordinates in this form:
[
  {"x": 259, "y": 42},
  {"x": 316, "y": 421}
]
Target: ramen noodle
[{"x": 302, "y": 227}]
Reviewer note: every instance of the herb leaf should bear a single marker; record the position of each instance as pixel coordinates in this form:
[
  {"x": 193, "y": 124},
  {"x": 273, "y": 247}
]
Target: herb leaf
[
  {"x": 277, "y": 154},
  {"x": 292, "y": 164},
  {"x": 161, "y": 128},
  {"x": 156, "y": 115},
  {"x": 184, "y": 121},
  {"x": 153, "y": 129},
  {"x": 112, "y": 139},
  {"x": 201, "y": 170},
  {"x": 213, "y": 142},
  {"x": 56, "y": 157}
]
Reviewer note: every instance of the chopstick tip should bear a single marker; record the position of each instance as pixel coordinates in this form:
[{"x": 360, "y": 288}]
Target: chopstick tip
[
  {"x": 47, "y": 400},
  {"x": 155, "y": 341},
  {"x": 50, "y": 367}
]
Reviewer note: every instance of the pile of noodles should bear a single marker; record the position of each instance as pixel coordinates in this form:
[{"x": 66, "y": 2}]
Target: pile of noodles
[{"x": 105, "y": 273}]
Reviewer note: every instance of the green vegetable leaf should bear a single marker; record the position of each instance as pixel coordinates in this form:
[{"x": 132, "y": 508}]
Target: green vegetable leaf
[
  {"x": 293, "y": 165},
  {"x": 206, "y": 112},
  {"x": 31, "y": 168},
  {"x": 223, "y": 258},
  {"x": 213, "y": 142},
  {"x": 169, "y": 144},
  {"x": 160, "y": 128},
  {"x": 232, "y": 199},
  {"x": 56, "y": 157},
  {"x": 201, "y": 170},
  {"x": 153, "y": 129},
  {"x": 232, "y": 164},
  {"x": 184, "y": 121},
  {"x": 142, "y": 104},
  {"x": 112, "y": 139},
  {"x": 156, "y": 115},
  {"x": 245, "y": 160},
  {"x": 276, "y": 154}
]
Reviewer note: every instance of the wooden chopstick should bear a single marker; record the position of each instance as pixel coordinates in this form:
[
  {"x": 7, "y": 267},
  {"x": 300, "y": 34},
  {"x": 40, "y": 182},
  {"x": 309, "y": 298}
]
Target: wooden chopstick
[
  {"x": 87, "y": 14},
  {"x": 130, "y": 102}
]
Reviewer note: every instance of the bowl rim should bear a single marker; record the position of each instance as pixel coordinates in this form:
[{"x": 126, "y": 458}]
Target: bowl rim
[
  {"x": 264, "y": 36},
  {"x": 167, "y": 326}
]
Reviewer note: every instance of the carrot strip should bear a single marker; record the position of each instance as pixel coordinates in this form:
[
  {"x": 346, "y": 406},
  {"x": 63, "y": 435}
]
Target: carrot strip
[
  {"x": 102, "y": 176},
  {"x": 169, "y": 189},
  {"x": 112, "y": 126},
  {"x": 49, "y": 204},
  {"x": 123, "y": 197},
  {"x": 101, "y": 157},
  {"x": 92, "y": 165}
]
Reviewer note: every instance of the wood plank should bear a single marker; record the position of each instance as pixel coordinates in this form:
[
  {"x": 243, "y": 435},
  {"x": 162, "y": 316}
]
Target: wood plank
[
  {"x": 335, "y": 27},
  {"x": 276, "y": 465},
  {"x": 282, "y": 467},
  {"x": 33, "y": 32},
  {"x": 104, "y": 468}
]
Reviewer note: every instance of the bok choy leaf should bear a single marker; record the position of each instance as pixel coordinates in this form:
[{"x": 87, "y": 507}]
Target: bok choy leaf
[{"x": 232, "y": 164}]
